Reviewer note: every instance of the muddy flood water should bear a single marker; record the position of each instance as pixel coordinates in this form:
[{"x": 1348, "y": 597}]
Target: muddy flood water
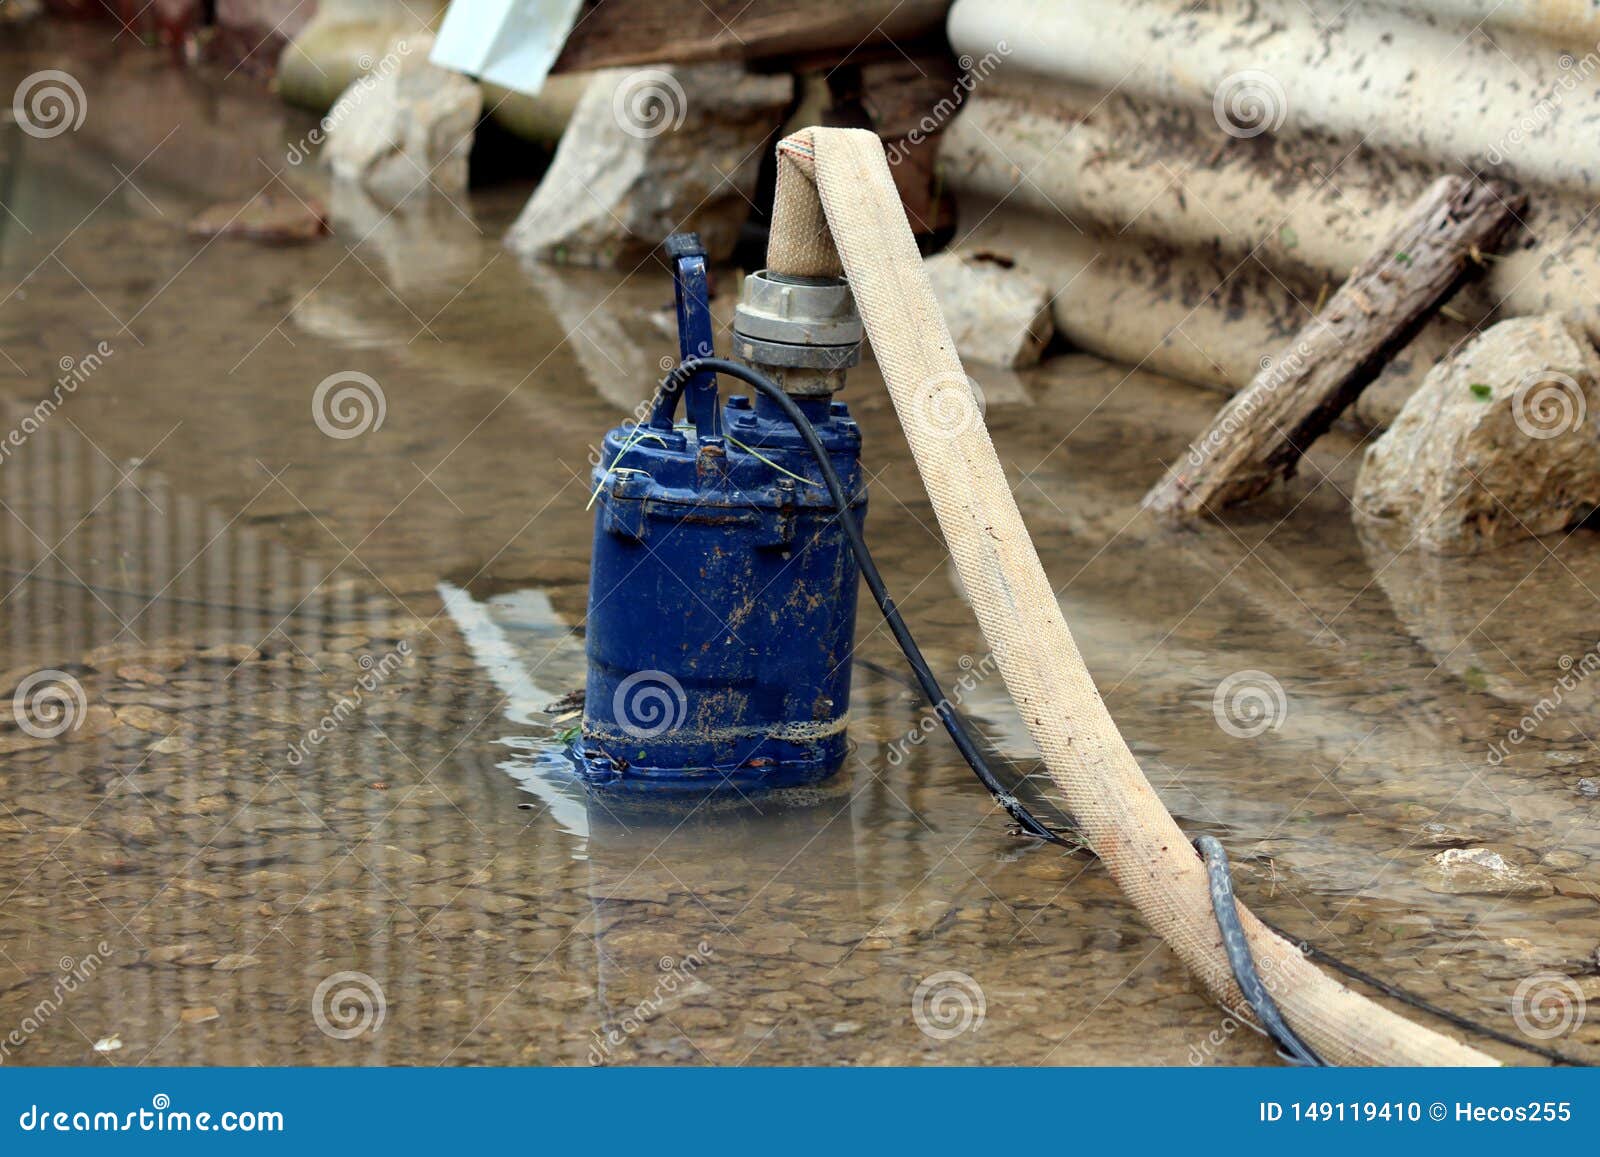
[{"x": 310, "y": 806}]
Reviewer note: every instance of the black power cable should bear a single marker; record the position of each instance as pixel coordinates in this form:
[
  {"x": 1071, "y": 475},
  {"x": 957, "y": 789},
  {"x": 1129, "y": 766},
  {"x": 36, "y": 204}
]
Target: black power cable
[
  {"x": 948, "y": 716},
  {"x": 1554, "y": 1056},
  {"x": 1235, "y": 944},
  {"x": 1238, "y": 950}
]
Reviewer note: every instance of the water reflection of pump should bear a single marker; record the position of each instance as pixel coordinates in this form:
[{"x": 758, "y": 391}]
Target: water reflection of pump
[
  {"x": 687, "y": 943},
  {"x": 722, "y": 590}
]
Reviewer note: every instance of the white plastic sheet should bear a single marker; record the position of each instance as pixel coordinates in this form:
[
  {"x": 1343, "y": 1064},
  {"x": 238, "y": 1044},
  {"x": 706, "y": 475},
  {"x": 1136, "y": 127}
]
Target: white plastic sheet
[{"x": 506, "y": 42}]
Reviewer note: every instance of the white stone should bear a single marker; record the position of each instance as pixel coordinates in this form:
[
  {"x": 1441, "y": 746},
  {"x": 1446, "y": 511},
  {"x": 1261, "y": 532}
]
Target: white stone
[
  {"x": 648, "y": 152},
  {"x": 996, "y": 313},
  {"x": 1500, "y": 442},
  {"x": 405, "y": 127},
  {"x": 1484, "y": 872}
]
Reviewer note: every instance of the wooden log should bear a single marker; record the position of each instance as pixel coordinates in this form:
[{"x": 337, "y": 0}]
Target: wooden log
[
  {"x": 1260, "y": 434},
  {"x": 611, "y": 33}
]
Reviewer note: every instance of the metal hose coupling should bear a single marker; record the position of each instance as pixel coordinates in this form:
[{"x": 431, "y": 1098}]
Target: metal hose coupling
[{"x": 802, "y": 332}]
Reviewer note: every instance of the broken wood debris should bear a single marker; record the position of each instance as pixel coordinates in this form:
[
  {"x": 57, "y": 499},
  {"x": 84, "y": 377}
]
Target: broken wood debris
[{"x": 1261, "y": 433}]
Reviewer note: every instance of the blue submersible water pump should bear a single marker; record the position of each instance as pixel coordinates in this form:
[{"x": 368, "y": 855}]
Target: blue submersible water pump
[
  {"x": 722, "y": 593},
  {"x": 727, "y": 553}
]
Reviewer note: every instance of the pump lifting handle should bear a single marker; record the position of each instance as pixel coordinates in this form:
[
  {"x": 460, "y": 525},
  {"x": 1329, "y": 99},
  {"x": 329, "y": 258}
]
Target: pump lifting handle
[{"x": 689, "y": 285}]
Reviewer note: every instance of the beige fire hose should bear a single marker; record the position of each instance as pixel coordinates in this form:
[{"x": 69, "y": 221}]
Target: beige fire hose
[{"x": 837, "y": 210}]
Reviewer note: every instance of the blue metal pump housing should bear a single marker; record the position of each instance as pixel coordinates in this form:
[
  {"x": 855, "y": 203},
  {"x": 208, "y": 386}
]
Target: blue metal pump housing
[{"x": 722, "y": 593}]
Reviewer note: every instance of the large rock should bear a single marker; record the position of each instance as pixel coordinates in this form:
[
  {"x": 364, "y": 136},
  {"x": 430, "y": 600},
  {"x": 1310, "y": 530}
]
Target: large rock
[
  {"x": 1500, "y": 442},
  {"x": 996, "y": 313},
  {"x": 650, "y": 151},
  {"x": 406, "y": 126}
]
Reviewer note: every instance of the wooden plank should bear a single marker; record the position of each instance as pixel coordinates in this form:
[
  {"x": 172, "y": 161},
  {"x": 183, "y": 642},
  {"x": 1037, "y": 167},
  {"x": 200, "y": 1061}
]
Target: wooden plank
[
  {"x": 1259, "y": 436},
  {"x": 611, "y": 33}
]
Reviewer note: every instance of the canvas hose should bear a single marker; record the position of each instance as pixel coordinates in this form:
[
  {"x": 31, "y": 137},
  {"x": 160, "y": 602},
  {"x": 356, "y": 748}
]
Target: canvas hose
[{"x": 837, "y": 212}]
